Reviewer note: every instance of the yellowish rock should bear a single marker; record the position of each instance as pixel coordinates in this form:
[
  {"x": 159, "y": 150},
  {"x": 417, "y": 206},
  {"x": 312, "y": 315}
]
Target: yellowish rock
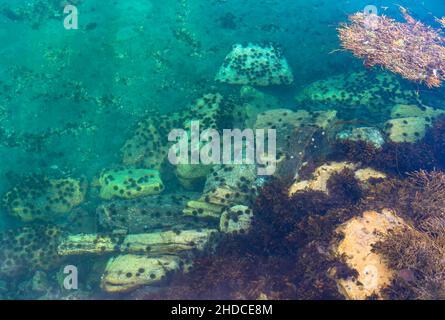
[
  {"x": 128, "y": 272},
  {"x": 360, "y": 234},
  {"x": 129, "y": 183},
  {"x": 366, "y": 174},
  {"x": 324, "y": 119},
  {"x": 409, "y": 122},
  {"x": 321, "y": 176},
  {"x": 202, "y": 209},
  {"x": 323, "y": 173},
  {"x": 409, "y": 129},
  {"x": 412, "y": 110},
  {"x": 167, "y": 242},
  {"x": 237, "y": 219},
  {"x": 77, "y": 244},
  {"x": 148, "y": 244}
]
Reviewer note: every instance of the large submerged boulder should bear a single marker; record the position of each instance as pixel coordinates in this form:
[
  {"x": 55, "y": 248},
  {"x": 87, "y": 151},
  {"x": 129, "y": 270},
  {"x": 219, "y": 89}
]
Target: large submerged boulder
[{"x": 260, "y": 65}]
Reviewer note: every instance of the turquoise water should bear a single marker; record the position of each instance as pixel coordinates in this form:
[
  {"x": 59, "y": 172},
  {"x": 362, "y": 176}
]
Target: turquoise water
[{"x": 71, "y": 101}]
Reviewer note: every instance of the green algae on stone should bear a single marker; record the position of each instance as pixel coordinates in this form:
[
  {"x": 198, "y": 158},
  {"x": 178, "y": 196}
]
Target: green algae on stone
[
  {"x": 41, "y": 198},
  {"x": 28, "y": 249},
  {"x": 129, "y": 183}
]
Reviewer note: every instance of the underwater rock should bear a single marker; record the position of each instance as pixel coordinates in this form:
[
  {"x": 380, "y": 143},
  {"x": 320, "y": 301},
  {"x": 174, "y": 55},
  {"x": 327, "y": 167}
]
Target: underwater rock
[
  {"x": 129, "y": 183},
  {"x": 212, "y": 110},
  {"x": 255, "y": 65},
  {"x": 28, "y": 249},
  {"x": 360, "y": 235},
  {"x": 253, "y": 103},
  {"x": 412, "y": 110},
  {"x": 410, "y": 122},
  {"x": 76, "y": 244},
  {"x": 128, "y": 272},
  {"x": 237, "y": 219},
  {"x": 202, "y": 209},
  {"x": 284, "y": 118},
  {"x": 39, "y": 282},
  {"x": 370, "y": 135},
  {"x": 41, "y": 198},
  {"x": 226, "y": 186},
  {"x": 298, "y": 134},
  {"x": 157, "y": 243},
  {"x": 207, "y": 110},
  {"x": 157, "y": 212},
  {"x": 409, "y": 129},
  {"x": 322, "y": 174},
  {"x": 357, "y": 95},
  {"x": 148, "y": 147},
  {"x": 192, "y": 176},
  {"x": 168, "y": 242}
]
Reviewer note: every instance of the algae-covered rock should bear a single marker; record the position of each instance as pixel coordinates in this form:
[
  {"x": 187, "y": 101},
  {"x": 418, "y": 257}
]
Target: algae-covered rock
[
  {"x": 299, "y": 134},
  {"x": 156, "y": 243},
  {"x": 41, "y": 198},
  {"x": 128, "y": 272},
  {"x": 320, "y": 177},
  {"x": 77, "y": 244},
  {"x": 153, "y": 213},
  {"x": 29, "y": 249},
  {"x": 253, "y": 102},
  {"x": 322, "y": 174},
  {"x": 168, "y": 242},
  {"x": 360, "y": 234},
  {"x": 409, "y": 129},
  {"x": 237, "y": 219},
  {"x": 148, "y": 146},
  {"x": 410, "y": 122},
  {"x": 129, "y": 183},
  {"x": 414, "y": 110},
  {"x": 370, "y": 135},
  {"x": 212, "y": 110},
  {"x": 357, "y": 95},
  {"x": 192, "y": 176},
  {"x": 226, "y": 186},
  {"x": 203, "y": 209},
  {"x": 255, "y": 65}
]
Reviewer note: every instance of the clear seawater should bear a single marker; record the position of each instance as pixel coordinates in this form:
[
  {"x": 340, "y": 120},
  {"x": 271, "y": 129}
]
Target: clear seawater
[{"x": 69, "y": 99}]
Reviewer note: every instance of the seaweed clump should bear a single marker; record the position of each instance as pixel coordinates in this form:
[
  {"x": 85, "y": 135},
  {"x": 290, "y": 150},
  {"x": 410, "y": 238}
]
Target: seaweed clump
[
  {"x": 416, "y": 252},
  {"x": 289, "y": 252},
  {"x": 286, "y": 255},
  {"x": 411, "y": 49},
  {"x": 398, "y": 158}
]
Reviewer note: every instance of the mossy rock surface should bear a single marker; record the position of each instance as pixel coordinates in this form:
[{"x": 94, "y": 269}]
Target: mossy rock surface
[
  {"x": 255, "y": 65},
  {"x": 129, "y": 183},
  {"x": 237, "y": 219},
  {"x": 192, "y": 176},
  {"x": 125, "y": 273},
  {"x": 41, "y": 198},
  {"x": 360, "y": 234},
  {"x": 409, "y": 129},
  {"x": 28, "y": 249},
  {"x": 364, "y": 96}
]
